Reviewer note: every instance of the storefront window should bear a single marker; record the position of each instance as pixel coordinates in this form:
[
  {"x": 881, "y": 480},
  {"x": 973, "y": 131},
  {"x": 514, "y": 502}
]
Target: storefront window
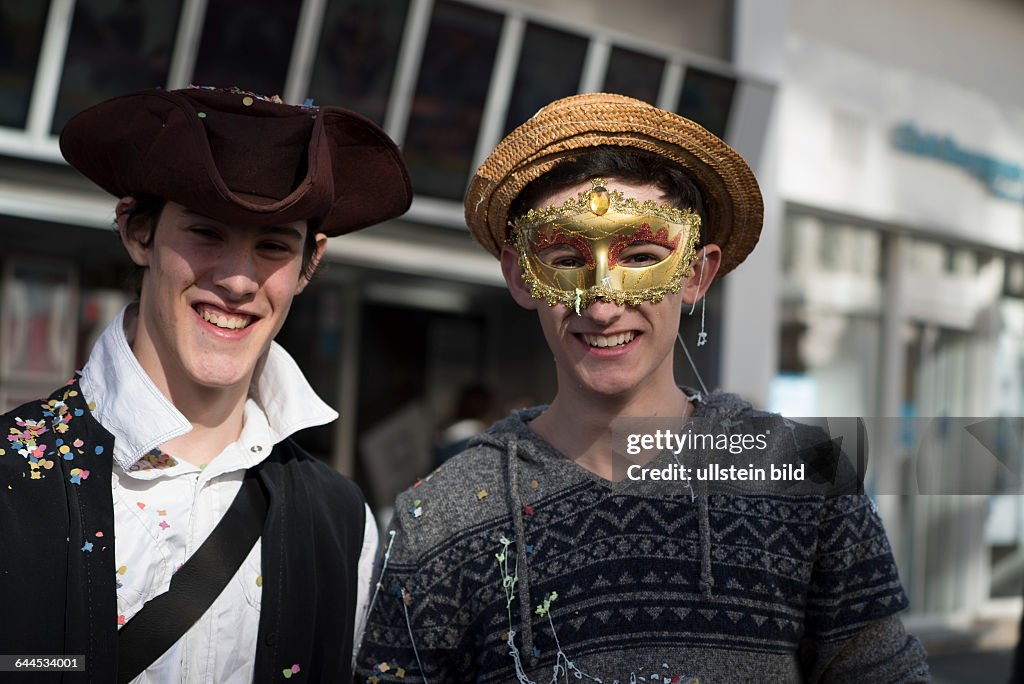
[
  {"x": 21, "y": 36},
  {"x": 550, "y": 66},
  {"x": 634, "y": 74},
  {"x": 248, "y": 44},
  {"x": 358, "y": 50},
  {"x": 115, "y": 47},
  {"x": 707, "y": 99},
  {"x": 831, "y": 323},
  {"x": 37, "y": 327},
  {"x": 454, "y": 77}
]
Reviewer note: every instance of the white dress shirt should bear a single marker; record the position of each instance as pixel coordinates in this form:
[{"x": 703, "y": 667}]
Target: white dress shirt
[{"x": 164, "y": 508}]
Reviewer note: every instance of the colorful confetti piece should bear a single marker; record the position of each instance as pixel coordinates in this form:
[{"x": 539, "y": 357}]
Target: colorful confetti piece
[{"x": 87, "y": 547}]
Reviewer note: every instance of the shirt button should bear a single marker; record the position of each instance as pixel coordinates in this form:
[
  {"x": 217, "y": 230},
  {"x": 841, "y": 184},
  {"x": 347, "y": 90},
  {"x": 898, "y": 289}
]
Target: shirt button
[{"x": 256, "y": 449}]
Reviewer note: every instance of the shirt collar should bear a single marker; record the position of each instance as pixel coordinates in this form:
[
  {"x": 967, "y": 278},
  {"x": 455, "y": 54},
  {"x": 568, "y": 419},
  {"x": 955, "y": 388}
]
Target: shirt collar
[{"x": 124, "y": 400}]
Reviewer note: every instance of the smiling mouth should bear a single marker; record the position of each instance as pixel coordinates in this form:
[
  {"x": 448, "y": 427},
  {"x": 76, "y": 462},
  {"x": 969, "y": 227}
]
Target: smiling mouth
[
  {"x": 603, "y": 341},
  {"x": 222, "y": 319}
]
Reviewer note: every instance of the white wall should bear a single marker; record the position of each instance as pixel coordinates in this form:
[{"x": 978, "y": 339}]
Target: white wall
[
  {"x": 701, "y": 26},
  {"x": 978, "y": 44}
]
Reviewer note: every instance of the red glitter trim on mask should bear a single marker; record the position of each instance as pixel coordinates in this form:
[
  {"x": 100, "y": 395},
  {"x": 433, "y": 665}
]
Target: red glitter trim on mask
[
  {"x": 558, "y": 237},
  {"x": 641, "y": 234}
]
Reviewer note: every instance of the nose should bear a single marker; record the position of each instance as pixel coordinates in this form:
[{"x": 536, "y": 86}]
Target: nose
[
  {"x": 235, "y": 273},
  {"x": 603, "y": 313}
]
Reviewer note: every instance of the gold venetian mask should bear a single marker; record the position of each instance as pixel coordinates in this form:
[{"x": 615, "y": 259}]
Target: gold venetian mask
[{"x": 604, "y": 245}]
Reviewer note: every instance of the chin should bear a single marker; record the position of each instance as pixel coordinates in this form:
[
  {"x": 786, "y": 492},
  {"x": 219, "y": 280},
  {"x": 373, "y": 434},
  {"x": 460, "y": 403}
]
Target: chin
[
  {"x": 222, "y": 373},
  {"x": 609, "y": 387}
]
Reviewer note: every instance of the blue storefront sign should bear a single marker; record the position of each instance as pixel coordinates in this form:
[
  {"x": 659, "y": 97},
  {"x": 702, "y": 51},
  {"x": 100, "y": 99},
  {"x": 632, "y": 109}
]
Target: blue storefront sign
[{"x": 1002, "y": 179}]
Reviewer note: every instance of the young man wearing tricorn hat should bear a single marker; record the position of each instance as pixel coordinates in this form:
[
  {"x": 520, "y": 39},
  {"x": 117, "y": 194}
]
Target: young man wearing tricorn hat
[
  {"x": 158, "y": 523},
  {"x": 531, "y": 556}
]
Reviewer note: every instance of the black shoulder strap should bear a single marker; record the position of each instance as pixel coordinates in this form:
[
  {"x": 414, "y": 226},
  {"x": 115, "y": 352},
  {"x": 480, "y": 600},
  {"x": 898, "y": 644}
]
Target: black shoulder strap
[{"x": 196, "y": 585}]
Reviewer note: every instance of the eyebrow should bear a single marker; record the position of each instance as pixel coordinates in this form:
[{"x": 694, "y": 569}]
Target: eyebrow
[
  {"x": 275, "y": 230},
  {"x": 282, "y": 230}
]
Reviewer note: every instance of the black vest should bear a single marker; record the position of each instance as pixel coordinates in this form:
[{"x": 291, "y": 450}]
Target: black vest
[{"x": 57, "y": 576}]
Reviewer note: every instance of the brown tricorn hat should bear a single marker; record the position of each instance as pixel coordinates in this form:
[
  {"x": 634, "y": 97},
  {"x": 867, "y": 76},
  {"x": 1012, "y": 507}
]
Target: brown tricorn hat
[
  {"x": 568, "y": 127},
  {"x": 205, "y": 148}
]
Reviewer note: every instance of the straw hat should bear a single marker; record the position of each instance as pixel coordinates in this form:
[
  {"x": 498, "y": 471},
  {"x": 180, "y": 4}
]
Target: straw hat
[
  {"x": 732, "y": 198},
  {"x": 242, "y": 158}
]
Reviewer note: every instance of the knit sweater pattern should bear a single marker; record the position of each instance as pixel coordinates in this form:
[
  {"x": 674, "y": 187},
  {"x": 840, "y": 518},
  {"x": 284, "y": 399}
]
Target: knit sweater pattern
[{"x": 511, "y": 563}]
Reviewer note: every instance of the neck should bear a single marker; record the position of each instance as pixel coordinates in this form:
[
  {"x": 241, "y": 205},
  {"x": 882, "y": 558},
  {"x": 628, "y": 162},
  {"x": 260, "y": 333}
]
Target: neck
[
  {"x": 589, "y": 442},
  {"x": 216, "y": 413}
]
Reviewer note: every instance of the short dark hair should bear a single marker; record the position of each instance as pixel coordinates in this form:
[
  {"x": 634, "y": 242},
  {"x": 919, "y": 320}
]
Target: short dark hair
[
  {"x": 145, "y": 213},
  {"x": 624, "y": 163}
]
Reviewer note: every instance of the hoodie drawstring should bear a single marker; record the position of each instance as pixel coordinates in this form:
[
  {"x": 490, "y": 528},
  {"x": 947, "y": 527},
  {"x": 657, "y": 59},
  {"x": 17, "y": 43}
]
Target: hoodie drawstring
[{"x": 516, "y": 502}]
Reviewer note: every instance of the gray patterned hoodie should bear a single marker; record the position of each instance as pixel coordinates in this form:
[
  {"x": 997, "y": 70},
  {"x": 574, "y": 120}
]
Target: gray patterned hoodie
[{"x": 511, "y": 563}]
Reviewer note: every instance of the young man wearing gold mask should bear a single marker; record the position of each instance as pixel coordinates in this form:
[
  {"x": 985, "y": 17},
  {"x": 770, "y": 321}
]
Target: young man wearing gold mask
[{"x": 528, "y": 557}]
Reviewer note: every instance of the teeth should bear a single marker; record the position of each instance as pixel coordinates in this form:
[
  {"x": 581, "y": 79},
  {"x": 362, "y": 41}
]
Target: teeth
[
  {"x": 221, "y": 321},
  {"x": 609, "y": 340}
]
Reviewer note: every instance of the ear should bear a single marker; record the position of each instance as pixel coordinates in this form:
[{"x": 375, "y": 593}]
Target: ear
[
  {"x": 704, "y": 268},
  {"x": 513, "y": 273},
  {"x": 318, "y": 253},
  {"x": 133, "y": 235}
]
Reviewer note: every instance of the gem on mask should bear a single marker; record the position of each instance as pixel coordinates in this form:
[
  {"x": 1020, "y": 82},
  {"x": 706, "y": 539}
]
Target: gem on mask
[{"x": 599, "y": 201}]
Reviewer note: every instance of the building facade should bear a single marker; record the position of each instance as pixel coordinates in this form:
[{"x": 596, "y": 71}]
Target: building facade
[{"x": 888, "y": 281}]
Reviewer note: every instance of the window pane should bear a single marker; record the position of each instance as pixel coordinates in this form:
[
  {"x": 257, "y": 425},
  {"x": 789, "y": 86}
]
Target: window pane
[
  {"x": 550, "y": 65},
  {"x": 247, "y": 44},
  {"x": 355, "y": 62},
  {"x": 449, "y": 101},
  {"x": 115, "y": 47},
  {"x": 707, "y": 99},
  {"x": 634, "y": 74},
  {"x": 21, "y": 35}
]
